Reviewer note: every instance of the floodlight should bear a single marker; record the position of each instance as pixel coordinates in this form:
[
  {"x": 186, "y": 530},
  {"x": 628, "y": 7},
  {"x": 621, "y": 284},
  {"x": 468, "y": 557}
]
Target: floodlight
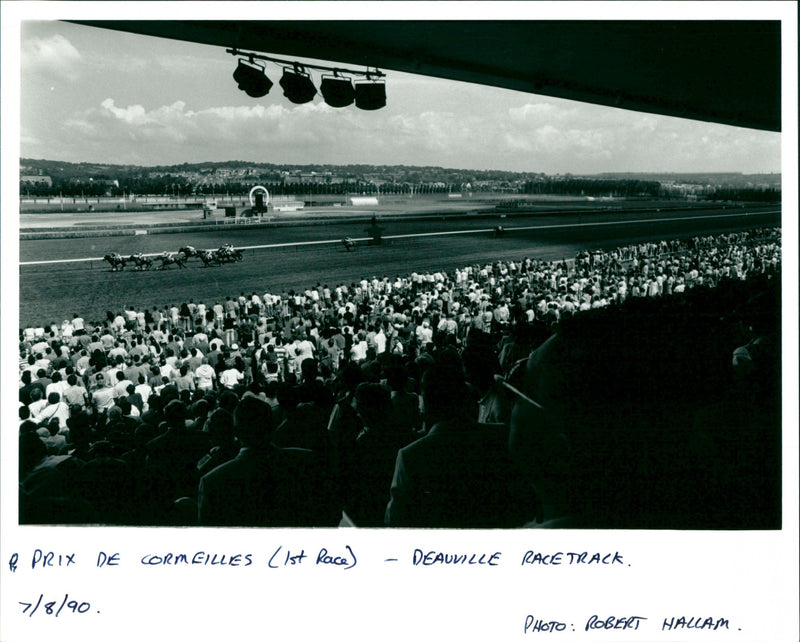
[
  {"x": 337, "y": 90},
  {"x": 251, "y": 78},
  {"x": 370, "y": 94},
  {"x": 297, "y": 85}
]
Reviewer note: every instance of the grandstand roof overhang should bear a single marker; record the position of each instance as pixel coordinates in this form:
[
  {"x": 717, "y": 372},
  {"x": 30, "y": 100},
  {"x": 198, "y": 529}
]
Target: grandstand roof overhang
[{"x": 717, "y": 71}]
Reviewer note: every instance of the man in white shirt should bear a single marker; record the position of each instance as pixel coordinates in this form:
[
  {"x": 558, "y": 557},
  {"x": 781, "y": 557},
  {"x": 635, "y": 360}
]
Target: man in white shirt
[
  {"x": 103, "y": 395},
  {"x": 230, "y": 378},
  {"x": 199, "y": 337},
  {"x": 380, "y": 341},
  {"x": 117, "y": 350},
  {"x": 144, "y": 390},
  {"x": 55, "y": 409},
  {"x": 358, "y": 352},
  {"x": 219, "y": 313},
  {"x": 67, "y": 330},
  {"x": 74, "y": 395},
  {"x": 58, "y": 385},
  {"x": 78, "y": 325},
  {"x": 38, "y": 402},
  {"x": 304, "y": 349},
  {"x": 121, "y": 385},
  {"x": 82, "y": 364},
  {"x": 205, "y": 376},
  {"x": 424, "y": 333}
]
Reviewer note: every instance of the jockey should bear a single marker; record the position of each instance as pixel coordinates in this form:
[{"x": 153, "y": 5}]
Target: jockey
[{"x": 226, "y": 249}]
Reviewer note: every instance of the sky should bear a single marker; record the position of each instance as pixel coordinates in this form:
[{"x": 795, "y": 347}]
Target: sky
[{"x": 93, "y": 95}]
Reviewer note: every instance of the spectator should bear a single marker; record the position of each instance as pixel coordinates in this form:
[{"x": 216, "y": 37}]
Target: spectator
[
  {"x": 459, "y": 475},
  {"x": 103, "y": 394},
  {"x": 37, "y": 404},
  {"x": 224, "y": 446},
  {"x": 75, "y": 394},
  {"x": 185, "y": 380},
  {"x": 374, "y": 456},
  {"x": 27, "y": 386},
  {"x": 205, "y": 376},
  {"x": 264, "y": 485},
  {"x": 405, "y": 404},
  {"x": 55, "y": 409},
  {"x": 173, "y": 456},
  {"x": 56, "y": 442}
]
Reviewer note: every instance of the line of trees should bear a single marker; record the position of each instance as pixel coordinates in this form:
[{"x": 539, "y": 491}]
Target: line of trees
[
  {"x": 180, "y": 186},
  {"x": 65, "y": 188},
  {"x": 753, "y": 195},
  {"x": 172, "y": 185},
  {"x": 593, "y": 187}
]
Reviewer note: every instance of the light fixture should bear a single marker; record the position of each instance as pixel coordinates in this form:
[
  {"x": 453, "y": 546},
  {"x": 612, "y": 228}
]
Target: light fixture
[
  {"x": 297, "y": 85},
  {"x": 337, "y": 90},
  {"x": 251, "y": 78},
  {"x": 370, "y": 94}
]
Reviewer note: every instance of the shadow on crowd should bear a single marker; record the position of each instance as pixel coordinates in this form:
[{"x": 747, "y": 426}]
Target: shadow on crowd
[{"x": 658, "y": 413}]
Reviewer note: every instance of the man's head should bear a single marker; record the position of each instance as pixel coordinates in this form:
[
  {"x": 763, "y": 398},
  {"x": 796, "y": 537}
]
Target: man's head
[
  {"x": 175, "y": 413},
  {"x": 252, "y": 421},
  {"x": 53, "y": 426},
  {"x": 444, "y": 393},
  {"x": 373, "y": 404},
  {"x": 125, "y": 406},
  {"x": 309, "y": 369},
  {"x": 228, "y": 400}
]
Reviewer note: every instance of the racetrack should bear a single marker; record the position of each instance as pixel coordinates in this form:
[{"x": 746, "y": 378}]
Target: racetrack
[{"x": 51, "y": 292}]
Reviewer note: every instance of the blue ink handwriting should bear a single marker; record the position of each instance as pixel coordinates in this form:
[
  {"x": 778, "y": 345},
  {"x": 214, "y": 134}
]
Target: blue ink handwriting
[{"x": 434, "y": 557}]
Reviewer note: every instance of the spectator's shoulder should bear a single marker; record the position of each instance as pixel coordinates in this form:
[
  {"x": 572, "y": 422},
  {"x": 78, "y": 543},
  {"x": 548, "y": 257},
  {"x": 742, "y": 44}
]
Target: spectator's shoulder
[{"x": 219, "y": 474}]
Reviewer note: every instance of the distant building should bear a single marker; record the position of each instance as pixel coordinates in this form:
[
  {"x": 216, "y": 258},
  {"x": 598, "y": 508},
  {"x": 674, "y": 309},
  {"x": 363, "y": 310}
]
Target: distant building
[
  {"x": 105, "y": 182},
  {"x": 37, "y": 180},
  {"x": 314, "y": 178},
  {"x": 361, "y": 201}
]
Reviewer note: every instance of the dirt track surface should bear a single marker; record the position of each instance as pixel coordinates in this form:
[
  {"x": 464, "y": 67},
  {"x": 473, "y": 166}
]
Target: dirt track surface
[{"x": 53, "y": 292}]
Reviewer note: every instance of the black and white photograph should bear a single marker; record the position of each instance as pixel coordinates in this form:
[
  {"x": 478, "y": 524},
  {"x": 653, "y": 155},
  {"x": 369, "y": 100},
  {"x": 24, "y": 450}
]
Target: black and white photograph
[{"x": 337, "y": 292}]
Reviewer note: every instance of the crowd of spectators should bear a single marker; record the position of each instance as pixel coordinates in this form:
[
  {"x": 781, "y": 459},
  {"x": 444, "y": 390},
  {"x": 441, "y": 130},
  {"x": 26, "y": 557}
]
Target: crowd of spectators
[{"x": 463, "y": 399}]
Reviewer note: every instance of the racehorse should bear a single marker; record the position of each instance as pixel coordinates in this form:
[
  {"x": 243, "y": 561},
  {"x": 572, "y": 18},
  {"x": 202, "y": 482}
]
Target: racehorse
[
  {"x": 168, "y": 258},
  {"x": 499, "y": 231},
  {"x": 208, "y": 257},
  {"x": 349, "y": 244},
  {"x": 218, "y": 257},
  {"x": 141, "y": 261},
  {"x": 189, "y": 251},
  {"x": 116, "y": 260},
  {"x": 227, "y": 254}
]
